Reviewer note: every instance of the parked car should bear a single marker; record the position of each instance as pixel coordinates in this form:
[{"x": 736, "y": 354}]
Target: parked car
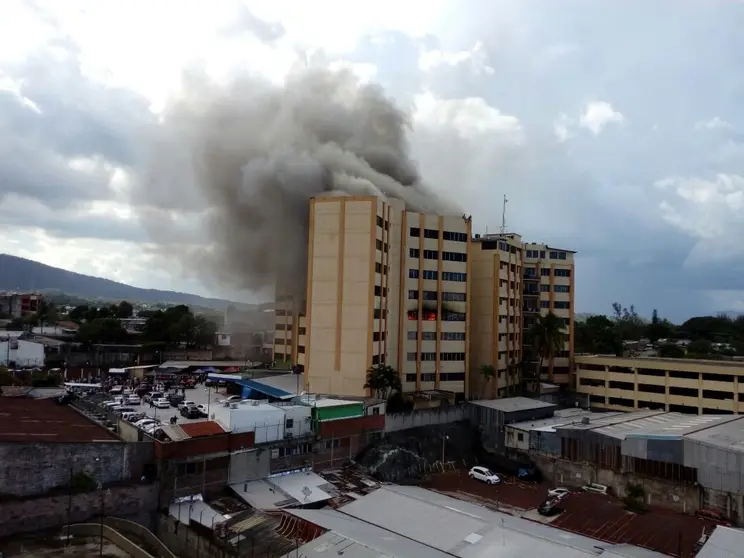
[
  {"x": 162, "y": 403},
  {"x": 133, "y": 399},
  {"x": 186, "y": 403},
  {"x": 175, "y": 400},
  {"x": 232, "y": 399},
  {"x": 484, "y": 475},
  {"x": 191, "y": 412},
  {"x": 153, "y": 396},
  {"x": 550, "y": 507},
  {"x": 204, "y": 409},
  {"x": 559, "y": 493}
]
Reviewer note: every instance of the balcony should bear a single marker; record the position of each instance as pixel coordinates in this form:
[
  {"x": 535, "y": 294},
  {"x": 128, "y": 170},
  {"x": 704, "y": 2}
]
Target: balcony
[
  {"x": 531, "y": 292},
  {"x": 530, "y": 310},
  {"x": 531, "y": 277}
]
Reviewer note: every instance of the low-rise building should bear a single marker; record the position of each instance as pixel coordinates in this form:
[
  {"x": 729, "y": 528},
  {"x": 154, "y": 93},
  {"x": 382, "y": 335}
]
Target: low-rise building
[
  {"x": 15, "y": 352},
  {"x": 492, "y": 416},
  {"x": 668, "y": 384}
]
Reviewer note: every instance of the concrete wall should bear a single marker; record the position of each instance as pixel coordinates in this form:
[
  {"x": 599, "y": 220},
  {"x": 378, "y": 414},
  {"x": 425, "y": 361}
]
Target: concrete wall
[
  {"x": 111, "y": 535},
  {"x": 141, "y": 535},
  {"x": 428, "y": 417},
  {"x": 187, "y": 543},
  {"x": 679, "y": 497},
  {"x": 29, "y": 469},
  {"x": 137, "y": 503}
]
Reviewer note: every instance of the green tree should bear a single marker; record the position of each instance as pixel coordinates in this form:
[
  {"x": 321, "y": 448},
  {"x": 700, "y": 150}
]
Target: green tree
[
  {"x": 383, "y": 380},
  {"x": 659, "y": 328},
  {"x": 598, "y": 335},
  {"x": 547, "y": 337},
  {"x": 671, "y": 350},
  {"x": 629, "y": 324},
  {"x": 102, "y": 330},
  {"x": 700, "y": 348},
  {"x": 487, "y": 373},
  {"x": 124, "y": 310}
]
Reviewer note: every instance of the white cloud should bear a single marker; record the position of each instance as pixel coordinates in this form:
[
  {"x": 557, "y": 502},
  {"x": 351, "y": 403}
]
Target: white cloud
[
  {"x": 476, "y": 59},
  {"x": 714, "y": 123},
  {"x": 710, "y": 210},
  {"x": 599, "y": 114},
  {"x": 470, "y": 117},
  {"x": 562, "y": 127}
]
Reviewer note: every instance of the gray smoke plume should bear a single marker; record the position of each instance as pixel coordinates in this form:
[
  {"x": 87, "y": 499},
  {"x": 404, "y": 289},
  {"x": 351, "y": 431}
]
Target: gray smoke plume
[{"x": 250, "y": 155}]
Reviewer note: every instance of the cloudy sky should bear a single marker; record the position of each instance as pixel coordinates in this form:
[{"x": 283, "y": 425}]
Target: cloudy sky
[{"x": 615, "y": 128}]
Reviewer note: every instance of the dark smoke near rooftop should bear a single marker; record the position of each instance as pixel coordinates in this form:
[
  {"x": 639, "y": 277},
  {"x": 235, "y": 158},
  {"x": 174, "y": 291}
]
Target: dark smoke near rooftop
[{"x": 256, "y": 153}]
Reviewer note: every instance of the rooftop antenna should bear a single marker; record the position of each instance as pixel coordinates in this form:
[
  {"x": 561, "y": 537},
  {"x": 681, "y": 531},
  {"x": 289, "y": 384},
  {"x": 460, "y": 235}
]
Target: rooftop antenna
[{"x": 503, "y": 216}]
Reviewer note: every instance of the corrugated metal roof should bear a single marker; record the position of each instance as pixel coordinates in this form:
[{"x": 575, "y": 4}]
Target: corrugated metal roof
[
  {"x": 267, "y": 390},
  {"x": 202, "y": 428},
  {"x": 672, "y": 425},
  {"x": 725, "y": 542},
  {"x": 512, "y": 404},
  {"x": 174, "y": 432}
]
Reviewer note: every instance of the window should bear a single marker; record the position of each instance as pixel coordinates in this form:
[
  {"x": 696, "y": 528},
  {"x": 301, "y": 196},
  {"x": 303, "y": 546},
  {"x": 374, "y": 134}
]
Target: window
[
  {"x": 411, "y": 357},
  {"x": 431, "y": 233},
  {"x": 542, "y": 254},
  {"x": 379, "y": 314},
  {"x": 380, "y": 291},
  {"x": 562, "y": 288},
  {"x": 431, "y": 296},
  {"x": 413, "y": 295},
  {"x": 413, "y": 252},
  {"x": 544, "y": 304},
  {"x": 449, "y": 357},
  {"x": 428, "y": 335},
  {"x": 453, "y": 297},
  {"x": 520, "y": 437},
  {"x": 378, "y": 267},
  {"x": 301, "y": 349},
  {"x": 380, "y": 222},
  {"x": 412, "y": 335},
  {"x": 453, "y": 336},
  {"x": 289, "y": 423},
  {"x": 415, "y": 231},
  {"x": 545, "y": 271},
  {"x": 431, "y": 254},
  {"x": 454, "y": 276},
  {"x": 455, "y": 236},
  {"x": 544, "y": 288},
  {"x": 377, "y": 336},
  {"x": 281, "y": 327},
  {"x": 410, "y": 378},
  {"x": 563, "y": 273},
  {"x": 453, "y": 316},
  {"x": 454, "y": 257},
  {"x": 452, "y": 377},
  {"x": 430, "y": 274},
  {"x": 413, "y": 273},
  {"x": 561, "y": 305},
  {"x": 428, "y": 377},
  {"x": 378, "y": 243}
]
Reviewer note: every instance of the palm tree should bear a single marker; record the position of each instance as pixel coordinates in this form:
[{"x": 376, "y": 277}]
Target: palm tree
[
  {"x": 547, "y": 338},
  {"x": 383, "y": 380},
  {"x": 488, "y": 373}
]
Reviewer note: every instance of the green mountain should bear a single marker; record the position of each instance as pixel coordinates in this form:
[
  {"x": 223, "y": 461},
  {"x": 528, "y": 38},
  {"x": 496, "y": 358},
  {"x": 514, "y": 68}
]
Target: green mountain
[{"x": 20, "y": 274}]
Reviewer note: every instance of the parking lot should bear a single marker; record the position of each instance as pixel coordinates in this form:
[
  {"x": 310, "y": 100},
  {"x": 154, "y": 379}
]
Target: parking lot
[
  {"x": 592, "y": 515},
  {"x": 200, "y": 395}
]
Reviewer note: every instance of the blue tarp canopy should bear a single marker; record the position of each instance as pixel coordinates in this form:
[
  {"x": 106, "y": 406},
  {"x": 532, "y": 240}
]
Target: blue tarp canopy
[{"x": 263, "y": 389}]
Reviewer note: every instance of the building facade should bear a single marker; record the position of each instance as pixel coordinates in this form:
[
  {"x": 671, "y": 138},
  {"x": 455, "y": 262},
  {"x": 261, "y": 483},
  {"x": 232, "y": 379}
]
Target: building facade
[
  {"x": 17, "y": 305},
  {"x": 549, "y": 287},
  {"x": 419, "y": 293},
  {"x": 496, "y": 317},
  {"x": 675, "y": 385}
]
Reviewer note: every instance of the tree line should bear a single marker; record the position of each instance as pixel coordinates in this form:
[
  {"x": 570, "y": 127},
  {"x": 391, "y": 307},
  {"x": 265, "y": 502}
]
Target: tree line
[
  {"x": 176, "y": 325},
  {"x": 710, "y": 337}
]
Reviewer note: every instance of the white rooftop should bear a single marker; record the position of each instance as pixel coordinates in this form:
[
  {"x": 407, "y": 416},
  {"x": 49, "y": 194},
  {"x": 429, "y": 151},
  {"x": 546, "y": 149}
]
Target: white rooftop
[
  {"x": 280, "y": 491},
  {"x": 725, "y": 542},
  {"x": 405, "y": 522}
]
